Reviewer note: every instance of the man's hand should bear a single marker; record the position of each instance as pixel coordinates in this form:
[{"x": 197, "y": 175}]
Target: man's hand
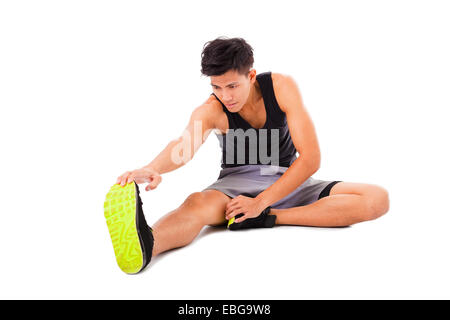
[
  {"x": 250, "y": 207},
  {"x": 145, "y": 174}
]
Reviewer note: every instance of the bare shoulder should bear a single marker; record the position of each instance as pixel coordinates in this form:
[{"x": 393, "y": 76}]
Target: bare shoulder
[
  {"x": 208, "y": 112},
  {"x": 219, "y": 116},
  {"x": 214, "y": 103},
  {"x": 285, "y": 89}
]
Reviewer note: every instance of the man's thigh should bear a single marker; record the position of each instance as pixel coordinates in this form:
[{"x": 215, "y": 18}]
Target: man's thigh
[{"x": 309, "y": 192}]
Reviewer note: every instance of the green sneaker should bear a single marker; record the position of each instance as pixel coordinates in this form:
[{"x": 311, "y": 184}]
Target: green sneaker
[{"x": 131, "y": 237}]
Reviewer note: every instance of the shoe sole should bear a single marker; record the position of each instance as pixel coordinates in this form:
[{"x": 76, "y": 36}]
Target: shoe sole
[{"x": 120, "y": 214}]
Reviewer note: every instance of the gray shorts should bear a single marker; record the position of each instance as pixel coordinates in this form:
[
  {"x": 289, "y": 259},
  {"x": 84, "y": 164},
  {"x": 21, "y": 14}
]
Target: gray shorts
[{"x": 250, "y": 180}]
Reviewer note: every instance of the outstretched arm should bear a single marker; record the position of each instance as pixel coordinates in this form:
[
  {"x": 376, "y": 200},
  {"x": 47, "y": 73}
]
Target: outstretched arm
[
  {"x": 181, "y": 150},
  {"x": 178, "y": 152}
]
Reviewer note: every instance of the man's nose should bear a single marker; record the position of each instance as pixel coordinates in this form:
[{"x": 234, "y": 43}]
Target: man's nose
[{"x": 227, "y": 98}]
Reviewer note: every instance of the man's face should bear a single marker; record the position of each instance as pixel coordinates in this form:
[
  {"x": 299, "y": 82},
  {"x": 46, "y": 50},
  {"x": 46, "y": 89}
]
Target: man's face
[{"x": 233, "y": 89}]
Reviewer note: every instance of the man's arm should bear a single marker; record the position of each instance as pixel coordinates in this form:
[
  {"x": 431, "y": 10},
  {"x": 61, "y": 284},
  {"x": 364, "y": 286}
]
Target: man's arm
[
  {"x": 181, "y": 150},
  {"x": 303, "y": 136},
  {"x": 177, "y": 152}
]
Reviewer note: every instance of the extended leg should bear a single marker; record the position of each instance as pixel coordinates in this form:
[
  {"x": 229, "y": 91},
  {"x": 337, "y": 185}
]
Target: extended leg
[
  {"x": 347, "y": 204},
  {"x": 180, "y": 226}
]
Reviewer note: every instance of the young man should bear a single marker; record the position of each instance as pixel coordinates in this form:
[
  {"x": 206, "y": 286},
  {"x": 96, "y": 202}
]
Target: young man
[{"x": 261, "y": 124}]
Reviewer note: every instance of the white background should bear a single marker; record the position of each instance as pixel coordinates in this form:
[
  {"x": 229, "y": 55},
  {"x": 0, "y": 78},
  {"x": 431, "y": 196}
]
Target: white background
[{"x": 90, "y": 89}]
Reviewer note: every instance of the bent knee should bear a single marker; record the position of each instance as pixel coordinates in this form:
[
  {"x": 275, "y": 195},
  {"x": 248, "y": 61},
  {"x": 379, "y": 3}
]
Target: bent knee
[
  {"x": 206, "y": 206},
  {"x": 377, "y": 202},
  {"x": 195, "y": 200}
]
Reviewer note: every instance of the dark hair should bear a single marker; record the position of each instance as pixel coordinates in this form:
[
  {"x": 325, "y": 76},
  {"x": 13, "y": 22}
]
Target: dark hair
[{"x": 223, "y": 54}]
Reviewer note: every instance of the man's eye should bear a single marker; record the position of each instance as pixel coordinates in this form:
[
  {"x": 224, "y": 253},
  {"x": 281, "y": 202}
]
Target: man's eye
[{"x": 232, "y": 87}]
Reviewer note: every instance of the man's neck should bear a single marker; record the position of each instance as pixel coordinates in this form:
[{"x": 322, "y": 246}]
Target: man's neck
[{"x": 251, "y": 106}]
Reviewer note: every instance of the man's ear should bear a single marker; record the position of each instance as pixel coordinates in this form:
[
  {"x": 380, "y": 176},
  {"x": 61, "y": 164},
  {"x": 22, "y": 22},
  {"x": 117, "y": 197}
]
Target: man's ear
[{"x": 252, "y": 75}]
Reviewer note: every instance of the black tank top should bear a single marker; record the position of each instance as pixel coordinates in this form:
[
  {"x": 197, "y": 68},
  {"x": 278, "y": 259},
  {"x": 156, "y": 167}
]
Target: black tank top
[{"x": 271, "y": 144}]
